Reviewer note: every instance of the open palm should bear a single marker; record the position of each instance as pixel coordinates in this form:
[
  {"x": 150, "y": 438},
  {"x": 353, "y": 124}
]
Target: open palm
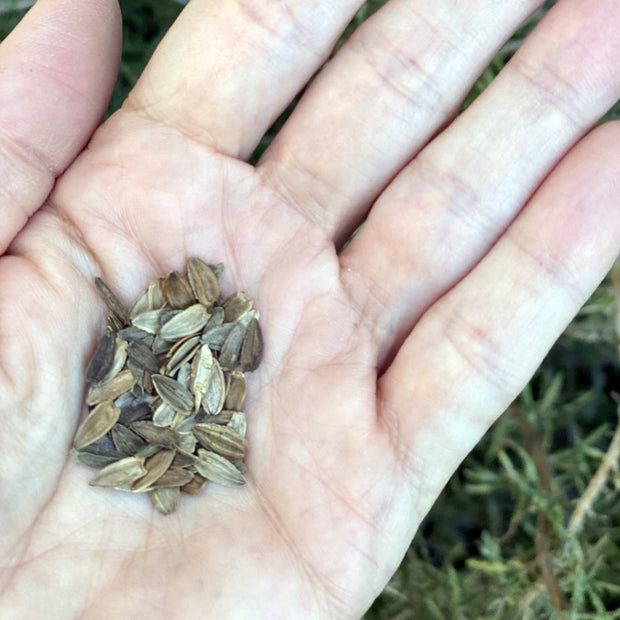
[{"x": 383, "y": 364}]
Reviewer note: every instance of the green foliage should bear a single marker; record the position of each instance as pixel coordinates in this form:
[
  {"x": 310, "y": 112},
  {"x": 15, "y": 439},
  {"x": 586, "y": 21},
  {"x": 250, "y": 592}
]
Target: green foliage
[{"x": 498, "y": 543}]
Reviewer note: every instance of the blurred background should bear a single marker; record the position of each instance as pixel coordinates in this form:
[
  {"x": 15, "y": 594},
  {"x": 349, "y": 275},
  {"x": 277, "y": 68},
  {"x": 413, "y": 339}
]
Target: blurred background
[{"x": 529, "y": 526}]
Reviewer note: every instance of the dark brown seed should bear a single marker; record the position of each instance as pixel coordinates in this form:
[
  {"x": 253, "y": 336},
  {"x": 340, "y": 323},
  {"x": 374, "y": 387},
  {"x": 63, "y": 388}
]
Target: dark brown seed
[
  {"x": 203, "y": 281},
  {"x": 112, "y": 302},
  {"x": 96, "y": 424},
  {"x": 143, "y": 357},
  {"x": 173, "y": 393},
  {"x": 103, "y": 359},
  {"x": 165, "y": 500},
  {"x": 134, "y": 411},
  {"x": 229, "y": 355},
  {"x": 159, "y": 435},
  {"x": 216, "y": 336},
  {"x": 194, "y": 487},
  {"x": 177, "y": 291},
  {"x": 252, "y": 347},
  {"x": 96, "y": 457},
  {"x": 216, "y": 318},
  {"x": 126, "y": 442}
]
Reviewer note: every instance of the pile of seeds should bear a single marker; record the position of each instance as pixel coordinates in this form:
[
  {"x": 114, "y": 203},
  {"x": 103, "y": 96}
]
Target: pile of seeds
[{"x": 167, "y": 388}]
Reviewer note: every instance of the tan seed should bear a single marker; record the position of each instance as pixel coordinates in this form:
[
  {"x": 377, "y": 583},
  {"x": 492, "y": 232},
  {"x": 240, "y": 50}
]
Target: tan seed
[
  {"x": 235, "y": 390},
  {"x": 120, "y": 475},
  {"x": 155, "y": 466},
  {"x": 111, "y": 389},
  {"x": 213, "y": 400},
  {"x": 173, "y": 393},
  {"x": 221, "y": 439},
  {"x": 194, "y": 487},
  {"x": 96, "y": 424},
  {"x": 218, "y": 469},
  {"x": 165, "y": 500},
  {"x": 203, "y": 281}
]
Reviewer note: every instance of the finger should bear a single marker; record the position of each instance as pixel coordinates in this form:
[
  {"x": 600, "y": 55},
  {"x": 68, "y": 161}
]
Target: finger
[
  {"x": 227, "y": 68},
  {"x": 398, "y": 79},
  {"x": 474, "y": 350},
  {"x": 58, "y": 70},
  {"x": 445, "y": 210}
]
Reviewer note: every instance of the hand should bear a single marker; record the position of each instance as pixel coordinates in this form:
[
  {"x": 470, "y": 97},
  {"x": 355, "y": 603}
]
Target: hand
[{"x": 384, "y": 364}]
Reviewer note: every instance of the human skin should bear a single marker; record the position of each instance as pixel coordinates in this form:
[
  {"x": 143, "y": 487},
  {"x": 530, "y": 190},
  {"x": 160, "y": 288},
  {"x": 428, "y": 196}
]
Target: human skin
[{"x": 384, "y": 363}]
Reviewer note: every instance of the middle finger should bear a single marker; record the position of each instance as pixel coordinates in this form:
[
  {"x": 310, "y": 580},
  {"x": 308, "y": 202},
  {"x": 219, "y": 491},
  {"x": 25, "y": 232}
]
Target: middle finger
[{"x": 398, "y": 79}]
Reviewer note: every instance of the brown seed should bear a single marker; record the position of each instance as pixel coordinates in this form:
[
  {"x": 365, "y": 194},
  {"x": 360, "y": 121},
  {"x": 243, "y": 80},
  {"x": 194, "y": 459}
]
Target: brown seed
[
  {"x": 203, "y": 281},
  {"x": 102, "y": 360},
  {"x": 252, "y": 347},
  {"x": 236, "y": 306},
  {"x": 135, "y": 334},
  {"x": 120, "y": 357},
  {"x": 177, "y": 291},
  {"x": 218, "y": 469},
  {"x": 194, "y": 487},
  {"x": 96, "y": 424},
  {"x": 182, "y": 351},
  {"x": 111, "y": 389},
  {"x": 235, "y": 390},
  {"x": 187, "y": 323},
  {"x": 173, "y": 393},
  {"x": 223, "y": 417},
  {"x": 112, "y": 302},
  {"x": 165, "y": 500},
  {"x": 120, "y": 475},
  {"x": 183, "y": 459},
  {"x": 213, "y": 400},
  {"x": 158, "y": 435},
  {"x": 142, "y": 357},
  {"x": 126, "y": 442},
  {"x": 156, "y": 466},
  {"x": 174, "y": 477},
  {"x": 221, "y": 439}
]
